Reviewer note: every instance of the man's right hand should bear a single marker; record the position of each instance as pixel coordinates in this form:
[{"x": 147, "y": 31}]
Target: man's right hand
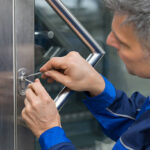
[{"x": 74, "y": 72}]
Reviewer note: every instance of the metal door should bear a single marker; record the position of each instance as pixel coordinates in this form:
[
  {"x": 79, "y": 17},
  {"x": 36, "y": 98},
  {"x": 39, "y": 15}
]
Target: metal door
[
  {"x": 17, "y": 42},
  {"x": 6, "y": 76}
]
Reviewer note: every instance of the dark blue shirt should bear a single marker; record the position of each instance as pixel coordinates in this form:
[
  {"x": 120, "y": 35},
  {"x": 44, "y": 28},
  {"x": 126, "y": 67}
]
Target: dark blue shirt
[{"x": 125, "y": 120}]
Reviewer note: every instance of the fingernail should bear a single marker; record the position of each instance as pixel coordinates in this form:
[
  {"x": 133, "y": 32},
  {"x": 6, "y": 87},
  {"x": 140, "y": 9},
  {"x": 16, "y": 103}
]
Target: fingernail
[
  {"x": 36, "y": 80},
  {"x": 29, "y": 85}
]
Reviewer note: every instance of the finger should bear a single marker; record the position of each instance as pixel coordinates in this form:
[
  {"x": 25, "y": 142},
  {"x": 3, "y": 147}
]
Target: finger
[
  {"x": 23, "y": 113},
  {"x": 49, "y": 80},
  {"x": 57, "y": 76},
  {"x": 37, "y": 80},
  {"x": 43, "y": 76},
  {"x": 54, "y": 63},
  {"x": 25, "y": 117},
  {"x": 39, "y": 89},
  {"x": 30, "y": 95},
  {"x": 29, "y": 85},
  {"x": 26, "y": 103},
  {"x": 27, "y": 114}
]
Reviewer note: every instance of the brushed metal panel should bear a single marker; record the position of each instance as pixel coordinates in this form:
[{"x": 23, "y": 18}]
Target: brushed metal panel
[
  {"x": 24, "y": 39},
  {"x": 6, "y": 76}
]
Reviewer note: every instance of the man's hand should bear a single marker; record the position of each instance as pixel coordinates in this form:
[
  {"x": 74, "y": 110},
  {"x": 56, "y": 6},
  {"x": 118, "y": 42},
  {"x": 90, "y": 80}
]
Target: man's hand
[
  {"x": 75, "y": 73},
  {"x": 40, "y": 112}
]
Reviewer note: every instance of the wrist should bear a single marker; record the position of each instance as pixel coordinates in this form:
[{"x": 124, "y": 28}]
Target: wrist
[
  {"x": 97, "y": 86},
  {"x": 39, "y": 132}
]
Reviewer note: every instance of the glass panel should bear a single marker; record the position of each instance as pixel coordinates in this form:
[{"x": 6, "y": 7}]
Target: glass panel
[
  {"x": 97, "y": 20},
  {"x": 54, "y": 38},
  {"x": 78, "y": 123}
]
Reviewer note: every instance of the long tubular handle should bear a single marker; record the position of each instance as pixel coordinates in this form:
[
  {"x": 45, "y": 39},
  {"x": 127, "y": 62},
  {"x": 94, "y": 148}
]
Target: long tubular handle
[
  {"x": 96, "y": 51},
  {"x": 65, "y": 92}
]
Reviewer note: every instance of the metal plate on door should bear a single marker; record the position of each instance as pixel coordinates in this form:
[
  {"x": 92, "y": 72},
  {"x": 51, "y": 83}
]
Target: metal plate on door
[{"x": 22, "y": 84}]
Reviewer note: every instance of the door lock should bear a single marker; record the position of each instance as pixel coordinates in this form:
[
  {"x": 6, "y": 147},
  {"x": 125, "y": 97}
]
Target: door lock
[
  {"x": 23, "y": 80},
  {"x": 22, "y": 84}
]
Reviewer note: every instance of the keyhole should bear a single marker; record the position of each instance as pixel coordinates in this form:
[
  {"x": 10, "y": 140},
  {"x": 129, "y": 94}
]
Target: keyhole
[{"x": 22, "y": 85}]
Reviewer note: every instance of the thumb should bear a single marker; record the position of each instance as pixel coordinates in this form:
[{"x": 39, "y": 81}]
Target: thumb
[{"x": 37, "y": 80}]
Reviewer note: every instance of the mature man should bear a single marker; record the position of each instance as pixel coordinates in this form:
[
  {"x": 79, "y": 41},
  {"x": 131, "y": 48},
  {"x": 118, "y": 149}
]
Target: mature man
[{"x": 125, "y": 120}]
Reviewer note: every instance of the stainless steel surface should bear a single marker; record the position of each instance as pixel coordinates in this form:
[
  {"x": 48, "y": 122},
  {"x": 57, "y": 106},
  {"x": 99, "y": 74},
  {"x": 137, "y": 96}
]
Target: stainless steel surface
[
  {"x": 6, "y": 76},
  {"x": 24, "y": 43},
  {"x": 62, "y": 97}
]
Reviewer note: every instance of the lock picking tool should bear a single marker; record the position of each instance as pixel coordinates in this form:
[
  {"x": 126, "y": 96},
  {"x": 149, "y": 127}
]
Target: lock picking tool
[
  {"x": 34, "y": 74},
  {"x": 28, "y": 80},
  {"x": 24, "y": 79}
]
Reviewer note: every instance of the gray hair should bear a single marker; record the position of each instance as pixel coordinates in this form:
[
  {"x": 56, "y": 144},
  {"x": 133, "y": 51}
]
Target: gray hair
[{"x": 138, "y": 13}]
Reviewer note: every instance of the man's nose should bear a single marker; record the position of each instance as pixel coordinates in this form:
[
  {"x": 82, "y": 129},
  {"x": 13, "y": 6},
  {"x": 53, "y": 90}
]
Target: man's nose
[{"x": 112, "y": 41}]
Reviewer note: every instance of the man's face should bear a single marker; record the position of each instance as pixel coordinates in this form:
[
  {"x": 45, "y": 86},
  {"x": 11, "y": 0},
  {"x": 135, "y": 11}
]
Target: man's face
[{"x": 124, "y": 39}]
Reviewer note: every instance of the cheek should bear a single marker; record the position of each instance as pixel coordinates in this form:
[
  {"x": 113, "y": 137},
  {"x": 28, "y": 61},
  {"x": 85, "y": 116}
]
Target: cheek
[
  {"x": 132, "y": 60},
  {"x": 125, "y": 57},
  {"x": 129, "y": 63}
]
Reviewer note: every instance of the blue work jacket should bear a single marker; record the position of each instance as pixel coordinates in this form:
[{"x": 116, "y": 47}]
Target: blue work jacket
[{"x": 125, "y": 120}]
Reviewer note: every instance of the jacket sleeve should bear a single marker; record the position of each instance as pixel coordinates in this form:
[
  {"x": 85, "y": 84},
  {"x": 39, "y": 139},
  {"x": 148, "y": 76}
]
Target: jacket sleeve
[
  {"x": 114, "y": 110},
  {"x": 63, "y": 146},
  {"x": 55, "y": 139}
]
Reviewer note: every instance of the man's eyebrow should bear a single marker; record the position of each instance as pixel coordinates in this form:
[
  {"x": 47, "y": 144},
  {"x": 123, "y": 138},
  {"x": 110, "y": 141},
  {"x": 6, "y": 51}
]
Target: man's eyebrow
[{"x": 120, "y": 41}]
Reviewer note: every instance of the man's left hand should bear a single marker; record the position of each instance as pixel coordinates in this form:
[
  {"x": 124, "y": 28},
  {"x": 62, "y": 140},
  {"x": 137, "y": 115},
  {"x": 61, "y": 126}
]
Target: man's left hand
[{"x": 40, "y": 112}]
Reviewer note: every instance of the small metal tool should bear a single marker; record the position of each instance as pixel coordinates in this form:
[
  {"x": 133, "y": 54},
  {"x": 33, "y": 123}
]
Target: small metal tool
[
  {"x": 28, "y": 80},
  {"x": 23, "y": 80},
  {"x": 34, "y": 74}
]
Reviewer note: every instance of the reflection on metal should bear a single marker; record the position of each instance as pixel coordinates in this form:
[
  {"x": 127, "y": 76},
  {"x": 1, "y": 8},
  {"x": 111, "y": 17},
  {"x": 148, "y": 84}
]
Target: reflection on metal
[
  {"x": 96, "y": 51},
  {"x": 62, "y": 97},
  {"x": 74, "y": 24},
  {"x": 7, "y": 100},
  {"x": 21, "y": 81},
  {"x": 24, "y": 46}
]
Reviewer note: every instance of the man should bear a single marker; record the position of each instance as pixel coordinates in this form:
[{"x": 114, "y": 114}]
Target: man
[{"x": 125, "y": 120}]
